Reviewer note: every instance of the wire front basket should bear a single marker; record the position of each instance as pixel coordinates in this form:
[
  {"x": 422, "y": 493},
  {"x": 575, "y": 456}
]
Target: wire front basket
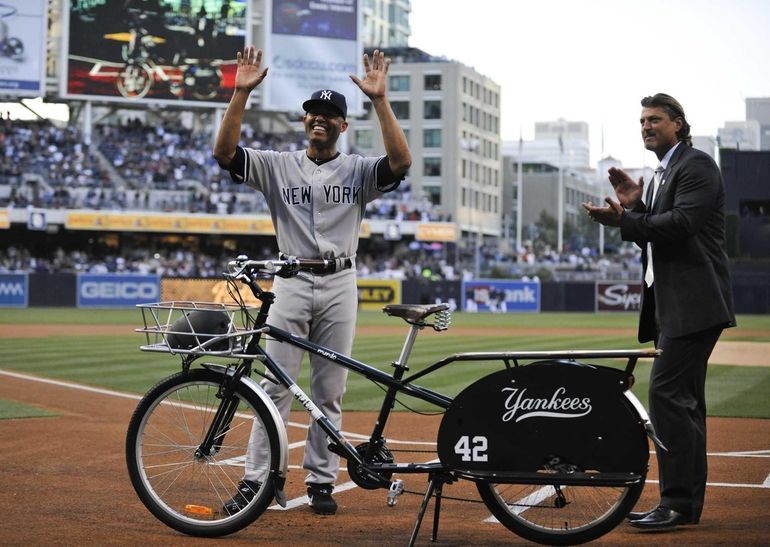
[{"x": 198, "y": 328}]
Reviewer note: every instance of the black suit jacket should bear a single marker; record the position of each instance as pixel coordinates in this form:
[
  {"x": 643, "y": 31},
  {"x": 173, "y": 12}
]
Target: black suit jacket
[{"x": 686, "y": 228}]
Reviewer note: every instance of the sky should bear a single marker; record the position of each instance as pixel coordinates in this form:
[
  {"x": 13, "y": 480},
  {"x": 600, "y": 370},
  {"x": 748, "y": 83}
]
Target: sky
[{"x": 593, "y": 60}]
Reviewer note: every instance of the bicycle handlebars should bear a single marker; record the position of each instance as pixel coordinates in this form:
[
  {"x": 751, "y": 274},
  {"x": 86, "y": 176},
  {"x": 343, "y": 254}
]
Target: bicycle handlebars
[{"x": 243, "y": 268}]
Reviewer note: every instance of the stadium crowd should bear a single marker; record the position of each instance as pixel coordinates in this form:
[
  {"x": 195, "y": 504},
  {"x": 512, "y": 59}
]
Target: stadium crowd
[
  {"x": 165, "y": 167},
  {"x": 136, "y": 166},
  {"x": 406, "y": 261}
]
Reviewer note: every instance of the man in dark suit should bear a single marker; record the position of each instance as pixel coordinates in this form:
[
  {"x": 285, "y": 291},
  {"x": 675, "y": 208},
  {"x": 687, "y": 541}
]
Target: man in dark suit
[{"x": 686, "y": 302}]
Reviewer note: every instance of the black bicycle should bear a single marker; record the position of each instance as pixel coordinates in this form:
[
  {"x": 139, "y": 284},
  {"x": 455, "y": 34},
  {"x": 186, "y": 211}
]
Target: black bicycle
[{"x": 557, "y": 448}]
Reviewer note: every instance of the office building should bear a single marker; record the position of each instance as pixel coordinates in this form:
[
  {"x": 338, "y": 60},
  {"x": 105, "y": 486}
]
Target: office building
[
  {"x": 451, "y": 116},
  {"x": 386, "y": 23},
  {"x": 758, "y": 110}
]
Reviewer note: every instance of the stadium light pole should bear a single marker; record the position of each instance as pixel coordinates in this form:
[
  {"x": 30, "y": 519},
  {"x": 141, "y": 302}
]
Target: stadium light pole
[
  {"x": 560, "y": 198},
  {"x": 470, "y": 145},
  {"x": 519, "y": 200},
  {"x": 601, "y": 239}
]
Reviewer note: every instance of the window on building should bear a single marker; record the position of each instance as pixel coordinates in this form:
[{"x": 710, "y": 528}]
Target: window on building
[
  {"x": 364, "y": 139},
  {"x": 399, "y": 82},
  {"x": 431, "y": 110},
  {"x": 431, "y": 138},
  {"x": 400, "y": 109},
  {"x": 432, "y": 81},
  {"x": 431, "y": 167},
  {"x": 433, "y": 193}
]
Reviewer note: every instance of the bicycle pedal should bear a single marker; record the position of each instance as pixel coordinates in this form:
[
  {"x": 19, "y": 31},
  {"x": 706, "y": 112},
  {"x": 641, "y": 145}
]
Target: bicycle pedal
[{"x": 395, "y": 490}]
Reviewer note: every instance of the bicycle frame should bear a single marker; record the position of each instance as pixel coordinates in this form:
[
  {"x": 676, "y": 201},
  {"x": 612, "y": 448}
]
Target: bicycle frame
[{"x": 396, "y": 382}]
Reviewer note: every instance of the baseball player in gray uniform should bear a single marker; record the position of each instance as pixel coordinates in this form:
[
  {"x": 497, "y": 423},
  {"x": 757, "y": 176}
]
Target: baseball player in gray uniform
[{"x": 317, "y": 199}]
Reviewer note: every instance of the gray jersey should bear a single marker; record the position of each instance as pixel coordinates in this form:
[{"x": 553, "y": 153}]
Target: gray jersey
[{"x": 316, "y": 209}]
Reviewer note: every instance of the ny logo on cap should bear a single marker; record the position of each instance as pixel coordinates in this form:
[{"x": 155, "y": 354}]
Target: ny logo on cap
[{"x": 326, "y": 95}]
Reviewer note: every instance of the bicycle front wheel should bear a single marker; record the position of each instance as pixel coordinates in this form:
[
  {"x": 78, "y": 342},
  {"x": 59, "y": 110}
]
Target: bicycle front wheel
[
  {"x": 188, "y": 490},
  {"x": 559, "y": 515}
]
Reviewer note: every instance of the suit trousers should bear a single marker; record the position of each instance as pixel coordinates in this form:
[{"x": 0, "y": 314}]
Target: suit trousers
[{"x": 677, "y": 404}]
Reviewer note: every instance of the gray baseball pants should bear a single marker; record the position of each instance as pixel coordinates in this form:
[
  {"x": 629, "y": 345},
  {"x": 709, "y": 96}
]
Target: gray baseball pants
[{"x": 322, "y": 309}]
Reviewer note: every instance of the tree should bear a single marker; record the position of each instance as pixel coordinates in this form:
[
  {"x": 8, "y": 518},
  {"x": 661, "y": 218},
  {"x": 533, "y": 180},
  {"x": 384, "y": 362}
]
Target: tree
[{"x": 545, "y": 235}]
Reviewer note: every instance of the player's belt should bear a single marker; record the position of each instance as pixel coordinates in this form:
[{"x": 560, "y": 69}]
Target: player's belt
[{"x": 342, "y": 262}]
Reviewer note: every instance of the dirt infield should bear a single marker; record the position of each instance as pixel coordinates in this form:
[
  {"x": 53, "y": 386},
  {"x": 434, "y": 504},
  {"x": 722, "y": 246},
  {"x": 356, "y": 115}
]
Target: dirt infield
[{"x": 64, "y": 482}]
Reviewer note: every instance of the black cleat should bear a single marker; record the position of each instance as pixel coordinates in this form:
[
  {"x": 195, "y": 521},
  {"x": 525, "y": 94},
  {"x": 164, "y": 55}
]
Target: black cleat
[{"x": 320, "y": 498}]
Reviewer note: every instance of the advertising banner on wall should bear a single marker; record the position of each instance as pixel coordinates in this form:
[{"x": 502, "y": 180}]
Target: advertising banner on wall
[
  {"x": 501, "y": 296},
  {"x": 14, "y": 290},
  {"x": 165, "y": 51},
  {"x": 615, "y": 296},
  {"x": 116, "y": 290},
  {"x": 373, "y": 294},
  {"x": 312, "y": 45},
  {"x": 170, "y": 222},
  {"x": 23, "y": 25},
  {"x": 208, "y": 290}
]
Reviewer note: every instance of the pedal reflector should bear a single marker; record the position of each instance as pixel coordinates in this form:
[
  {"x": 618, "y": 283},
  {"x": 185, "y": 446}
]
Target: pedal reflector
[{"x": 200, "y": 511}]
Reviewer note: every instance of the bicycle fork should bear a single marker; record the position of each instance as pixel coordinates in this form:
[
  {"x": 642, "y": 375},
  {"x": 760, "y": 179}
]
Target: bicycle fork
[{"x": 220, "y": 424}]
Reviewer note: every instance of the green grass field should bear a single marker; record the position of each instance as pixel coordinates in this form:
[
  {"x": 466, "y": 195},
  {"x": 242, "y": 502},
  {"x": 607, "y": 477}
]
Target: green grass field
[{"x": 116, "y": 362}]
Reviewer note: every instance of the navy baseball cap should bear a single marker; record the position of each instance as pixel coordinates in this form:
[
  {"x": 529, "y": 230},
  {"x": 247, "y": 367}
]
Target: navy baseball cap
[{"x": 328, "y": 98}]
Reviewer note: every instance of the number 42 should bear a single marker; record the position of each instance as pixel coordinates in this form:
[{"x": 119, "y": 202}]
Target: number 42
[{"x": 472, "y": 449}]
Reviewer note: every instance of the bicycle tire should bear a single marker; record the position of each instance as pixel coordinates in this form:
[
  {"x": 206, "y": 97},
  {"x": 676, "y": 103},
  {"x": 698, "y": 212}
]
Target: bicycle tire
[
  {"x": 134, "y": 80},
  {"x": 187, "y": 492},
  {"x": 535, "y": 511}
]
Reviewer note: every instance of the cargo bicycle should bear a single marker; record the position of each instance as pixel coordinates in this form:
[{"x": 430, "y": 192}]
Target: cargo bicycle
[{"x": 557, "y": 448}]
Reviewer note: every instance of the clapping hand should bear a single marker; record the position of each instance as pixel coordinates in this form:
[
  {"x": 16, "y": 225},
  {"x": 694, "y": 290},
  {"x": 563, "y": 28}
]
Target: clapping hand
[
  {"x": 609, "y": 216},
  {"x": 627, "y": 191}
]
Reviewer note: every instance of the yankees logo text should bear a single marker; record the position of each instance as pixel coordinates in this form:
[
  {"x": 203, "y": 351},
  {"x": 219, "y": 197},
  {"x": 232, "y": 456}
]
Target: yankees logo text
[{"x": 519, "y": 406}]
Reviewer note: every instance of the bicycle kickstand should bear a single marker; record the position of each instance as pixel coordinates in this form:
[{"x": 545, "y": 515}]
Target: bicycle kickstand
[{"x": 435, "y": 487}]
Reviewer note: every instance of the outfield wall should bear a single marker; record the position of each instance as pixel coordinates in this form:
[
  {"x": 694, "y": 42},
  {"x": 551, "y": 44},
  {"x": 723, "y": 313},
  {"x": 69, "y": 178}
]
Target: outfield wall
[{"x": 752, "y": 293}]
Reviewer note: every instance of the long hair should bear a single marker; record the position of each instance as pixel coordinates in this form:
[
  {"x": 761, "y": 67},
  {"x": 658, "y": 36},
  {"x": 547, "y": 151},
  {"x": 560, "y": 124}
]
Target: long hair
[{"x": 674, "y": 111}]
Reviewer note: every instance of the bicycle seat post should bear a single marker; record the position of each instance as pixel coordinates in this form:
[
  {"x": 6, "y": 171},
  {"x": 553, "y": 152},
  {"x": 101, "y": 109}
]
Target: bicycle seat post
[
  {"x": 401, "y": 367},
  {"x": 406, "y": 350}
]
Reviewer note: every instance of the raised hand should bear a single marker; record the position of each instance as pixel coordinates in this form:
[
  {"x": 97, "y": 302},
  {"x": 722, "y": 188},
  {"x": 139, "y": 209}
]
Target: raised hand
[
  {"x": 375, "y": 81},
  {"x": 249, "y": 73},
  {"x": 627, "y": 191}
]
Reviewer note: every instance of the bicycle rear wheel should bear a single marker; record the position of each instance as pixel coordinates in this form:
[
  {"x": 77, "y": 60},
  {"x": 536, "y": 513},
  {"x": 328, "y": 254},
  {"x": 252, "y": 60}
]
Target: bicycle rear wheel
[
  {"x": 183, "y": 489},
  {"x": 559, "y": 515}
]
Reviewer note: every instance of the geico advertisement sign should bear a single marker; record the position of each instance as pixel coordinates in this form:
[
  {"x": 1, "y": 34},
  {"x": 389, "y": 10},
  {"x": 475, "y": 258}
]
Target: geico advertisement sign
[
  {"x": 117, "y": 290},
  {"x": 618, "y": 296},
  {"x": 14, "y": 289}
]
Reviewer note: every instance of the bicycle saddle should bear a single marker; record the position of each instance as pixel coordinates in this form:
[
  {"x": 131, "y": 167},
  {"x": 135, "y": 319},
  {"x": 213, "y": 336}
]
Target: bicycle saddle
[{"x": 412, "y": 313}]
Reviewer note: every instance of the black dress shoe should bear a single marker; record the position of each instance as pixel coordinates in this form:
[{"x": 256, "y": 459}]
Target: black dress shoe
[
  {"x": 661, "y": 519},
  {"x": 639, "y": 515}
]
